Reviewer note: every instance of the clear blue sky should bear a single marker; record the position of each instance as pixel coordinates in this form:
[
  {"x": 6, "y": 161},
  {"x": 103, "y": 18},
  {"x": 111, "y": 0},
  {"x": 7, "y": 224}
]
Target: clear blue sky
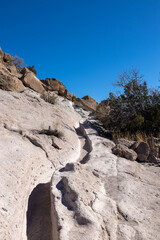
[{"x": 84, "y": 43}]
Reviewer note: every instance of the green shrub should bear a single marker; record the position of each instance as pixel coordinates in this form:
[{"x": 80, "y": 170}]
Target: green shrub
[{"x": 136, "y": 111}]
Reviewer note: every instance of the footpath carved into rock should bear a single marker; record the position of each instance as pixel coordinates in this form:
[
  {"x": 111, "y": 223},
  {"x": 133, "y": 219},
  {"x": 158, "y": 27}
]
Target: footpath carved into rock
[{"x": 97, "y": 195}]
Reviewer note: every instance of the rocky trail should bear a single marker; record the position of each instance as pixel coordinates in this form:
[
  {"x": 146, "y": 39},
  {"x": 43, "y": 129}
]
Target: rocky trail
[
  {"x": 97, "y": 197},
  {"x": 72, "y": 187}
]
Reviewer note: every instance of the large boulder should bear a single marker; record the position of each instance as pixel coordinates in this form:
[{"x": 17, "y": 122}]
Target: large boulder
[
  {"x": 123, "y": 151},
  {"x": 8, "y": 81},
  {"x": 142, "y": 151},
  {"x": 30, "y": 80},
  {"x": 13, "y": 69},
  {"x": 67, "y": 95},
  {"x": 7, "y": 58},
  {"x": 87, "y": 103},
  {"x": 52, "y": 84}
]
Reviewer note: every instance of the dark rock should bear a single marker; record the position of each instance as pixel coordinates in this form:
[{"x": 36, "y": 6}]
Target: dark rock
[
  {"x": 152, "y": 159},
  {"x": 123, "y": 151},
  {"x": 134, "y": 146},
  {"x": 142, "y": 151}
]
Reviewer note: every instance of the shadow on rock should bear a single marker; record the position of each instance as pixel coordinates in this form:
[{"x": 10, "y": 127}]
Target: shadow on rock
[{"x": 39, "y": 213}]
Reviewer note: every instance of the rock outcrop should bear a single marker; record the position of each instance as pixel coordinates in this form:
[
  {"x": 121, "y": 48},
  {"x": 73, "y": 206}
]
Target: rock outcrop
[
  {"x": 30, "y": 80},
  {"x": 94, "y": 193},
  {"x": 9, "y": 81},
  {"x": 87, "y": 103},
  {"x": 29, "y": 156},
  {"x": 52, "y": 84}
]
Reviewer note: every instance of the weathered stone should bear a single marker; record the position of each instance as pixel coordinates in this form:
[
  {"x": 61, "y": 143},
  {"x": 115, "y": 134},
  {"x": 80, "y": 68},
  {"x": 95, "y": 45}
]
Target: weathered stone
[
  {"x": 142, "y": 151},
  {"x": 123, "y": 151},
  {"x": 30, "y": 80},
  {"x": 9, "y": 82},
  {"x": 25, "y": 169},
  {"x": 61, "y": 91},
  {"x": 152, "y": 159},
  {"x": 87, "y": 103},
  {"x": 73, "y": 97},
  {"x": 105, "y": 198},
  {"x": 67, "y": 95},
  {"x": 7, "y": 58},
  {"x": 13, "y": 70},
  {"x": 134, "y": 146},
  {"x": 52, "y": 84}
]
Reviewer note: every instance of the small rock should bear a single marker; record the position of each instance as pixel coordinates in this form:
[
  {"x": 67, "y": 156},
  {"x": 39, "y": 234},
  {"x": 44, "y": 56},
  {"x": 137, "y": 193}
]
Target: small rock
[{"x": 69, "y": 167}]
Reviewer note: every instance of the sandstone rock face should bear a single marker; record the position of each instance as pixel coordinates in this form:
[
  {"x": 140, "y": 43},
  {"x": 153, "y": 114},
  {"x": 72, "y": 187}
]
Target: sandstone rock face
[
  {"x": 142, "y": 151},
  {"x": 7, "y": 58},
  {"x": 13, "y": 69},
  {"x": 30, "y": 80},
  {"x": 8, "y": 81},
  {"x": 123, "y": 151},
  {"x": 28, "y": 160},
  {"x": 105, "y": 196},
  {"x": 86, "y": 103},
  {"x": 53, "y": 84},
  {"x": 67, "y": 95}
]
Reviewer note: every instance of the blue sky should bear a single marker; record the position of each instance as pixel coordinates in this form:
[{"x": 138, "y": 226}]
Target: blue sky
[{"x": 84, "y": 43}]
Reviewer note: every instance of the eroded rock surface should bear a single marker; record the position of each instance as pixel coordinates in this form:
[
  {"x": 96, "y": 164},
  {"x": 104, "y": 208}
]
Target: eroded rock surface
[
  {"x": 29, "y": 159},
  {"x": 87, "y": 103},
  {"x": 95, "y": 195},
  {"x": 107, "y": 197}
]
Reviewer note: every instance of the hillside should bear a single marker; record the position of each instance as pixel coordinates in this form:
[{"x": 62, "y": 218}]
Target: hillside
[{"x": 60, "y": 179}]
